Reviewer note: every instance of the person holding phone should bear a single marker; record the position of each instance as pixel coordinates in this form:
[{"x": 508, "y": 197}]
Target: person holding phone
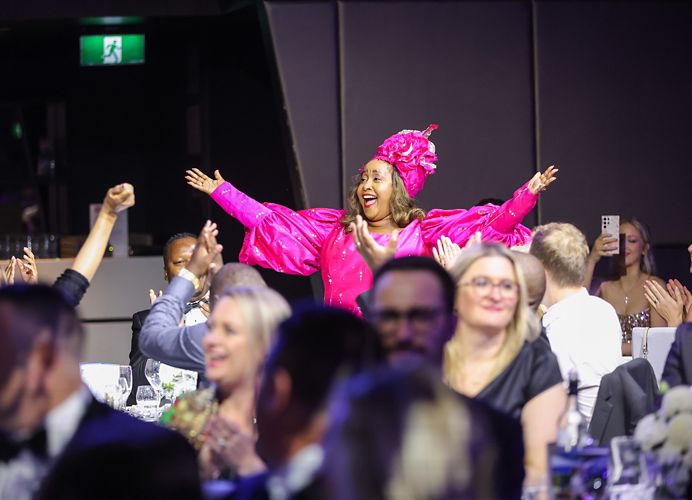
[{"x": 627, "y": 292}]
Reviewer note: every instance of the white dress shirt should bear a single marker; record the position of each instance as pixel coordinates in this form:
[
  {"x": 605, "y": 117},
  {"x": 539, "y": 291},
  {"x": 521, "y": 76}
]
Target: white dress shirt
[
  {"x": 585, "y": 335},
  {"x": 21, "y": 477}
]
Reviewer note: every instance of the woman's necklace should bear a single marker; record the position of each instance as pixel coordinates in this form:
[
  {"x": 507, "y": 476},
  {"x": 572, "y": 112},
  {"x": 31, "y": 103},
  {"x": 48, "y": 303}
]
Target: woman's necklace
[{"x": 628, "y": 291}]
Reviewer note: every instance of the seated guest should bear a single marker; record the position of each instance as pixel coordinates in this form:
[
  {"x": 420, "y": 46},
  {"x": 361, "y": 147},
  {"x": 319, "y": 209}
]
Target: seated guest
[
  {"x": 162, "y": 337},
  {"x": 583, "y": 330},
  {"x": 74, "y": 281},
  {"x": 50, "y": 421},
  {"x": 626, "y": 293},
  {"x": 493, "y": 356},
  {"x": 678, "y": 367},
  {"x": 315, "y": 348},
  {"x": 402, "y": 434},
  {"x": 176, "y": 255},
  {"x": 412, "y": 307},
  {"x": 534, "y": 277},
  {"x": 219, "y": 420}
]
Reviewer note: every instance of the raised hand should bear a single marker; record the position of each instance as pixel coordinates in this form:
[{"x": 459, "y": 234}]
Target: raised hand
[
  {"x": 232, "y": 447},
  {"x": 670, "y": 307},
  {"x": 8, "y": 272},
  {"x": 684, "y": 293},
  {"x": 372, "y": 252},
  {"x": 446, "y": 252},
  {"x": 27, "y": 267},
  {"x": 604, "y": 246},
  {"x": 119, "y": 198},
  {"x": 153, "y": 296},
  {"x": 202, "y": 182},
  {"x": 205, "y": 256},
  {"x": 541, "y": 181}
]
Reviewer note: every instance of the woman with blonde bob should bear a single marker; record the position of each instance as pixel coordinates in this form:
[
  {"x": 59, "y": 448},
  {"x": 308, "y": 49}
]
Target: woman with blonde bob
[
  {"x": 492, "y": 356},
  {"x": 220, "y": 421}
]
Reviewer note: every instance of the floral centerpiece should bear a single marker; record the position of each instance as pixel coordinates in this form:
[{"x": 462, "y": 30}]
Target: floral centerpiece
[{"x": 667, "y": 436}]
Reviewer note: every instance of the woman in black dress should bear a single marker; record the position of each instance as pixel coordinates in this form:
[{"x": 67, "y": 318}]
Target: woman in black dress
[{"x": 492, "y": 356}]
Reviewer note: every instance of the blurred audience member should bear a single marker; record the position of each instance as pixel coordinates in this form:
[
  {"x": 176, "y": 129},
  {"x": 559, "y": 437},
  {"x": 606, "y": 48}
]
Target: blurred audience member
[
  {"x": 219, "y": 420},
  {"x": 317, "y": 347},
  {"x": 412, "y": 307},
  {"x": 48, "y": 418},
  {"x": 583, "y": 330},
  {"x": 402, "y": 434},
  {"x": 627, "y": 293},
  {"x": 678, "y": 367},
  {"x": 493, "y": 356},
  {"x": 162, "y": 337}
]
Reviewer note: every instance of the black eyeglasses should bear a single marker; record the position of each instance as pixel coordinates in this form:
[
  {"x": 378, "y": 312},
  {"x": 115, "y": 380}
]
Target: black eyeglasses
[{"x": 417, "y": 317}]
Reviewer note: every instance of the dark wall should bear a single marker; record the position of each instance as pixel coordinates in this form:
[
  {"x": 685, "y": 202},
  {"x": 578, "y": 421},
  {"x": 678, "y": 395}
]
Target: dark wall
[
  {"x": 601, "y": 89},
  {"x": 203, "y": 98}
]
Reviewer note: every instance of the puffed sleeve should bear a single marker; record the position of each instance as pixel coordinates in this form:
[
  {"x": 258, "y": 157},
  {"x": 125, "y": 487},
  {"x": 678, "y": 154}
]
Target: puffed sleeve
[
  {"x": 275, "y": 236},
  {"x": 495, "y": 223}
]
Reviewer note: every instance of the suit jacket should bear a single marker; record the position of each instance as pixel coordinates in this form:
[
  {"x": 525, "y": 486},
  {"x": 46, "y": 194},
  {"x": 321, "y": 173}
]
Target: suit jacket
[
  {"x": 113, "y": 455},
  {"x": 625, "y": 396},
  {"x": 678, "y": 367},
  {"x": 138, "y": 360}
]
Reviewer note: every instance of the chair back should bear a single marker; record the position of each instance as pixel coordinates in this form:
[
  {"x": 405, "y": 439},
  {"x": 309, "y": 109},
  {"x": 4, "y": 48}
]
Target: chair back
[
  {"x": 625, "y": 396},
  {"x": 653, "y": 345}
]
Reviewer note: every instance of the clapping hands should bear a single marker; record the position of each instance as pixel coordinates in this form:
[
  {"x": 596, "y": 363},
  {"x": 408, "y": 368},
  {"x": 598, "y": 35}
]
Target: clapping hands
[
  {"x": 372, "y": 252},
  {"x": 27, "y": 269}
]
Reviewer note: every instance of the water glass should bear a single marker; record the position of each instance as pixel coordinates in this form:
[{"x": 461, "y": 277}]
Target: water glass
[
  {"x": 151, "y": 372},
  {"x": 147, "y": 397},
  {"x": 126, "y": 375}
]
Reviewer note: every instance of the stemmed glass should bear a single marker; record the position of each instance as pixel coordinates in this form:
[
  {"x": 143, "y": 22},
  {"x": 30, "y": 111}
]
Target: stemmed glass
[
  {"x": 151, "y": 372},
  {"x": 125, "y": 373}
]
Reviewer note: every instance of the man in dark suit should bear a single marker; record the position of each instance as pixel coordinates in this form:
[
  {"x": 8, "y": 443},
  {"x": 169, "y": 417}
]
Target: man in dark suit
[
  {"x": 176, "y": 255},
  {"x": 678, "y": 367},
  {"x": 52, "y": 429}
]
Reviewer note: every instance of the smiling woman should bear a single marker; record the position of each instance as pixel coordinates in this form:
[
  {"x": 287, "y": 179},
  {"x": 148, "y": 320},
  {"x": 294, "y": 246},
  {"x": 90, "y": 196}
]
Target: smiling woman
[
  {"x": 219, "y": 421},
  {"x": 494, "y": 356},
  {"x": 320, "y": 239}
]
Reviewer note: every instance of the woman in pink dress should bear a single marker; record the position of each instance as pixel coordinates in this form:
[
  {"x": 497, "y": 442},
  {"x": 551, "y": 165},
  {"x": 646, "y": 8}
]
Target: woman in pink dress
[{"x": 320, "y": 239}]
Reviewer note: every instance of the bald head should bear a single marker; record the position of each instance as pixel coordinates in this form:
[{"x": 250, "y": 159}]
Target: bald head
[
  {"x": 234, "y": 274},
  {"x": 534, "y": 275}
]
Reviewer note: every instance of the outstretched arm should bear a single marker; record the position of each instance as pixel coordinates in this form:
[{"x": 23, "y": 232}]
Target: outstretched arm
[
  {"x": 513, "y": 211},
  {"x": 89, "y": 258},
  {"x": 74, "y": 282}
]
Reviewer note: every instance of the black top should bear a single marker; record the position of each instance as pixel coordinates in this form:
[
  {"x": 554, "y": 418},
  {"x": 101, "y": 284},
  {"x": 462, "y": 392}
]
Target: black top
[
  {"x": 73, "y": 285},
  {"x": 532, "y": 371}
]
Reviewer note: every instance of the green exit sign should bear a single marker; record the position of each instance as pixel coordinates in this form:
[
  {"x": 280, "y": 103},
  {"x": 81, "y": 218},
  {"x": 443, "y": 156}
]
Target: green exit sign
[{"x": 111, "y": 50}]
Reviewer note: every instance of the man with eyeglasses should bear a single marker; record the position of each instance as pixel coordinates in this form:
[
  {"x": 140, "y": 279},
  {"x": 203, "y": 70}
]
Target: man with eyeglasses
[{"x": 411, "y": 305}]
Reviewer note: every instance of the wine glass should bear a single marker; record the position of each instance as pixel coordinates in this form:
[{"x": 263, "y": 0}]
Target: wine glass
[
  {"x": 151, "y": 372},
  {"x": 148, "y": 400},
  {"x": 126, "y": 374}
]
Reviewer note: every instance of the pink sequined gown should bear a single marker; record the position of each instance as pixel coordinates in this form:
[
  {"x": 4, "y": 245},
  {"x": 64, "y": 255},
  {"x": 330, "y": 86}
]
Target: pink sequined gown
[{"x": 307, "y": 241}]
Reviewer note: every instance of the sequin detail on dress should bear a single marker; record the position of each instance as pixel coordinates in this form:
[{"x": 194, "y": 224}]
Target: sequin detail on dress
[{"x": 630, "y": 321}]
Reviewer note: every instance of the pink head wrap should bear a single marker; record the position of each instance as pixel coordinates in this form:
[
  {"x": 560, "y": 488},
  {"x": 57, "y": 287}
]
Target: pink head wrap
[{"x": 412, "y": 154}]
